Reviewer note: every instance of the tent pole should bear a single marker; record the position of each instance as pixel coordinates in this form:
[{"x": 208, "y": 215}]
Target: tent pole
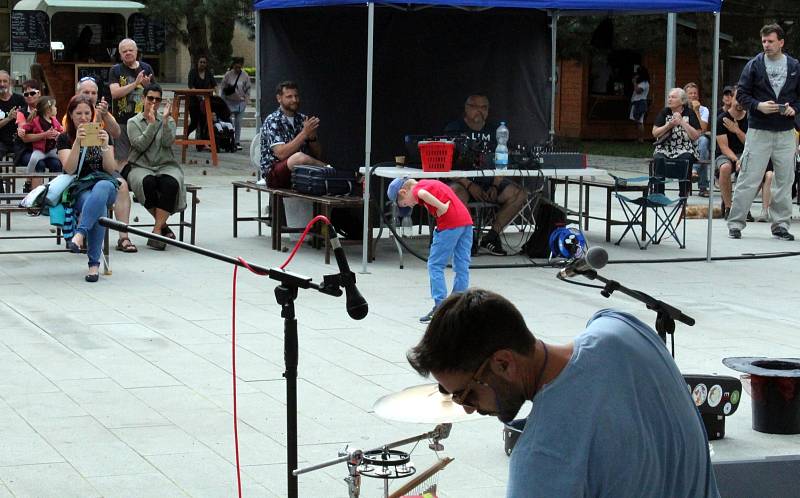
[
  {"x": 713, "y": 117},
  {"x": 553, "y": 75},
  {"x": 368, "y": 134},
  {"x": 258, "y": 70},
  {"x": 672, "y": 40}
]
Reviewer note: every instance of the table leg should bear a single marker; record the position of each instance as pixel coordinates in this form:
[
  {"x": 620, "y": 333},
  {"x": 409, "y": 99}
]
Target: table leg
[
  {"x": 194, "y": 217},
  {"x": 236, "y": 210},
  {"x": 210, "y": 128},
  {"x": 608, "y": 215},
  {"x": 258, "y": 216}
]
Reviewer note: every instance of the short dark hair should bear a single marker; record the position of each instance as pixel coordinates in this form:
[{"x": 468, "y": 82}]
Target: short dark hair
[
  {"x": 773, "y": 28},
  {"x": 291, "y": 85},
  {"x": 31, "y": 84},
  {"x": 152, "y": 87},
  {"x": 466, "y": 329}
]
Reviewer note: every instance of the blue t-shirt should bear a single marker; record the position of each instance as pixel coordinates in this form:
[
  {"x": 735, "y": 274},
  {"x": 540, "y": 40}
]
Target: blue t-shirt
[{"x": 617, "y": 421}]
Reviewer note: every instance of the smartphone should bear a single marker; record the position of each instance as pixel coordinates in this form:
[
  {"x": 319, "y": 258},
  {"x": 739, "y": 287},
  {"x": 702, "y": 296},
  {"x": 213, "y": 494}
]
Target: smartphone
[
  {"x": 92, "y": 139},
  {"x": 782, "y": 108}
]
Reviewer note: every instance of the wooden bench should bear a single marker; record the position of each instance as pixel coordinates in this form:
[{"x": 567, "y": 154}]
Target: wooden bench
[
  {"x": 610, "y": 187},
  {"x": 322, "y": 204}
]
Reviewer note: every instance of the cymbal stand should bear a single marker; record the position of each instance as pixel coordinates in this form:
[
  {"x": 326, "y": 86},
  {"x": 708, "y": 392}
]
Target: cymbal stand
[{"x": 354, "y": 458}]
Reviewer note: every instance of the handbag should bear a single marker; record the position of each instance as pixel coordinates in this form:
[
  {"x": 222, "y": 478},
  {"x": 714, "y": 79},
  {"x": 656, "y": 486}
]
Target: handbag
[
  {"x": 231, "y": 89},
  {"x": 58, "y": 185},
  {"x": 34, "y": 202}
]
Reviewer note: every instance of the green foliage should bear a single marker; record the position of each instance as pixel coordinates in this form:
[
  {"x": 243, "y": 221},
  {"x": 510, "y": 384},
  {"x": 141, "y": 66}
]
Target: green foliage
[{"x": 250, "y": 70}]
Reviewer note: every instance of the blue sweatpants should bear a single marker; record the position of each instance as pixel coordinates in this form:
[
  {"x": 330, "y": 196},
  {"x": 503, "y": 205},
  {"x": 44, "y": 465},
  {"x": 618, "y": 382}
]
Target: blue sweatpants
[{"x": 455, "y": 242}]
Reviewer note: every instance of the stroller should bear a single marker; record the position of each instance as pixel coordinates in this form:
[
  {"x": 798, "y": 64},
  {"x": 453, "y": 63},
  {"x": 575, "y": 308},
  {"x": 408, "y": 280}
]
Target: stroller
[{"x": 223, "y": 127}]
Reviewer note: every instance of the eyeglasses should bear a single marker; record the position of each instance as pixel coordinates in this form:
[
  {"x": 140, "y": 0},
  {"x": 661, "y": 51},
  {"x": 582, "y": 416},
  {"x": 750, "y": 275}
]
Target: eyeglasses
[
  {"x": 31, "y": 93},
  {"x": 87, "y": 78},
  {"x": 461, "y": 397},
  {"x": 150, "y": 98}
]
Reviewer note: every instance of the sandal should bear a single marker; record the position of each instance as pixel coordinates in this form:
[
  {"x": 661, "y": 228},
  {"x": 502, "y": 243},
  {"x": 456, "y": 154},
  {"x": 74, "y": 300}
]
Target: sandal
[
  {"x": 125, "y": 245},
  {"x": 156, "y": 244},
  {"x": 168, "y": 233}
]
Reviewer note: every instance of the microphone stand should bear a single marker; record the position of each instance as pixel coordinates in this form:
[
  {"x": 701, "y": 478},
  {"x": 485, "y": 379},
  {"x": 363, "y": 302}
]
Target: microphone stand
[
  {"x": 666, "y": 314},
  {"x": 285, "y": 295}
]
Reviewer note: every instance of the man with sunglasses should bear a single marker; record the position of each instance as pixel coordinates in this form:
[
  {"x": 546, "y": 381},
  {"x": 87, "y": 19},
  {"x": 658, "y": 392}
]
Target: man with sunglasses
[{"x": 611, "y": 414}]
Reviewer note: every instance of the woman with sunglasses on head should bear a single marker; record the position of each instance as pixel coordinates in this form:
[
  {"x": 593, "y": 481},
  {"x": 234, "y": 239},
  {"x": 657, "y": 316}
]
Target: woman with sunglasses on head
[
  {"x": 94, "y": 189},
  {"x": 22, "y": 147},
  {"x": 155, "y": 177}
]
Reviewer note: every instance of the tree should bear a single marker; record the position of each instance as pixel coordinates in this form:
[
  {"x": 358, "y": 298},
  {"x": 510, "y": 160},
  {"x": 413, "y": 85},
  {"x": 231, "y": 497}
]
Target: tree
[{"x": 224, "y": 20}]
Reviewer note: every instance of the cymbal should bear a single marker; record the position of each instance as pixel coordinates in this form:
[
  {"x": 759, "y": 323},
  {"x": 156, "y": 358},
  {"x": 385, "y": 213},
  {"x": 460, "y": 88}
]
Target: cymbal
[{"x": 421, "y": 404}]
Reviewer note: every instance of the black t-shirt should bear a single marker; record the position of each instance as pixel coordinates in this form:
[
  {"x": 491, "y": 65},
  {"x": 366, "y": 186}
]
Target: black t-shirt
[
  {"x": 485, "y": 135},
  {"x": 478, "y": 151},
  {"x": 734, "y": 143},
  {"x": 94, "y": 156},
  {"x": 9, "y": 131},
  {"x": 128, "y": 106}
]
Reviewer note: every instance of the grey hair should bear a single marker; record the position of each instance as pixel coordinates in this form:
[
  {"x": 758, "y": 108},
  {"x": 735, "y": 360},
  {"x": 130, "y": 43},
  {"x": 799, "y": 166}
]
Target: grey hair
[
  {"x": 682, "y": 94},
  {"x": 80, "y": 83},
  {"x": 3, "y": 71},
  {"x": 127, "y": 41}
]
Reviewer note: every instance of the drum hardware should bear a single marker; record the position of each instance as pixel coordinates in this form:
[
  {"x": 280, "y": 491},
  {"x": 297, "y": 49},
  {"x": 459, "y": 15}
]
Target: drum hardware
[{"x": 384, "y": 462}]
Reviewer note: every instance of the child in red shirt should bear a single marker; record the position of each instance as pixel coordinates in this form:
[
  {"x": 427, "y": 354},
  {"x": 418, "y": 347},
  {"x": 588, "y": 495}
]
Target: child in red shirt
[
  {"x": 43, "y": 124},
  {"x": 451, "y": 238}
]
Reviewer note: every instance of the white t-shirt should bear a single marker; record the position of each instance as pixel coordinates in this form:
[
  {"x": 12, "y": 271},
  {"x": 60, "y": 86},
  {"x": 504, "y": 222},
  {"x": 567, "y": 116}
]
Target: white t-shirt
[{"x": 645, "y": 86}]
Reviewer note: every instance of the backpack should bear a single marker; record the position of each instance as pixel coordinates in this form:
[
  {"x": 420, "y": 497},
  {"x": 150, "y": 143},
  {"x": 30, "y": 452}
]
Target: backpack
[{"x": 547, "y": 218}]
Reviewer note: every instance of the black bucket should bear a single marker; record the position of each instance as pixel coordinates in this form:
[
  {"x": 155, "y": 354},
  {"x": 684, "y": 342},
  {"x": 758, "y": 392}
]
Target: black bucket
[
  {"x": 776, "y": 400},
  {"x": 774, "y": 385},
  {"x": 511, "y": 432}
]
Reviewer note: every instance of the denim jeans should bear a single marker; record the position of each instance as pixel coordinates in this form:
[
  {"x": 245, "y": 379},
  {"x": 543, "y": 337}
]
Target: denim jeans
[
  {"x": 92, "y": 204},
  {"x": 237, "y": 113},
  {"x": 458, "y": 243},
  {"x": 703, "y": 153}
]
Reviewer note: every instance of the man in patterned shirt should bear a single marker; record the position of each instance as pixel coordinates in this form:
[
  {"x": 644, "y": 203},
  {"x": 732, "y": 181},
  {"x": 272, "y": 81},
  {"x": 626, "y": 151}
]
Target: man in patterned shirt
[{"x": 288, "y": 138}]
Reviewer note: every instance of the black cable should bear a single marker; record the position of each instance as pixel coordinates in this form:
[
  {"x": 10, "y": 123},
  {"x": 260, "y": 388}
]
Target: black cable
[{"x": 573, "y": 282}]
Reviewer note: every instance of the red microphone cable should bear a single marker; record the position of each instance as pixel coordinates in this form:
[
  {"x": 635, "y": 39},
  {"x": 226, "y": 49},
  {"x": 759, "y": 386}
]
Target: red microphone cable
[{"x": 233, "y": 336}]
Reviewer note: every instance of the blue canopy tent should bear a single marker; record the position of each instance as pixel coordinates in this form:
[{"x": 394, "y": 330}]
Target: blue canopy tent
[{"x": 555, "y": 8}]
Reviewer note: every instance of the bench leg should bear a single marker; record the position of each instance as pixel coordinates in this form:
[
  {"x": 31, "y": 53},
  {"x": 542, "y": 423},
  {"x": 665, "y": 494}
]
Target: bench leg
[
  {"x": 235, "y": 210},
  {"x": 193, "y": 226},
  {"x": 259, "y": 213}
]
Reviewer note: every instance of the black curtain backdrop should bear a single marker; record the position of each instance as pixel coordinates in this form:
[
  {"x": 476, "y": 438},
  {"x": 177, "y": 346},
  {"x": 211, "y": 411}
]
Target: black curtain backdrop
[{"x": 425, "y": 64}]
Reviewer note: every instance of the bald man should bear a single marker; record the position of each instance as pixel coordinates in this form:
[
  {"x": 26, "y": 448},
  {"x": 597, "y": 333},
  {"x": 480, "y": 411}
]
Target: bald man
[{"x": 126, "y": 82}]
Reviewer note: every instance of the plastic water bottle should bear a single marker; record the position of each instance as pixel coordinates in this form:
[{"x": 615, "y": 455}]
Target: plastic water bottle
[{"x": 501, "y": 152}]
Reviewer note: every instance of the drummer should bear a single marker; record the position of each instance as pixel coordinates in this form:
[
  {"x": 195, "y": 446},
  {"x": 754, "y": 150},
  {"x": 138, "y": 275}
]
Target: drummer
[{"x": 611, "y": 413}]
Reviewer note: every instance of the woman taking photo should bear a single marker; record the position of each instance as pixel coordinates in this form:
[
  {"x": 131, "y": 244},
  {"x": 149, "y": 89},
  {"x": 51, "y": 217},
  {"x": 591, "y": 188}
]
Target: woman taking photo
[
  {"x": 200, "y": 77},
  {"x": 155, "y": 177},
  {"x": 94, "y": 189},
  {"x": 236, "y": 92}
]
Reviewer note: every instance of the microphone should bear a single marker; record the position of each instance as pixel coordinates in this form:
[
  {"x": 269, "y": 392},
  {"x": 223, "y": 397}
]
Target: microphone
[
  {"x": 594, "y": 259},
  {"x": 357, "y": 306}
]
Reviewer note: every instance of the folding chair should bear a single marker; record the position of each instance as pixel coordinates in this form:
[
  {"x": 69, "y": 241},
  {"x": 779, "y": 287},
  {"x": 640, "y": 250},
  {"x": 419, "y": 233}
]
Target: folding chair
[{"x": 669, "y": 212}]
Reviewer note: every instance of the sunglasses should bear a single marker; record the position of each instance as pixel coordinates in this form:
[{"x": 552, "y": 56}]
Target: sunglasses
[
  {"x": 461, "y": 397},
  {"x": 31, "y": 93},
  {"x": 150, "y": 98},
  {"x": 87, "y": 78}
]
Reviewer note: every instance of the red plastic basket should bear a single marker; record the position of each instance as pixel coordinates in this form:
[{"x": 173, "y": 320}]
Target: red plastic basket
[{"x": 436, "y": 156}]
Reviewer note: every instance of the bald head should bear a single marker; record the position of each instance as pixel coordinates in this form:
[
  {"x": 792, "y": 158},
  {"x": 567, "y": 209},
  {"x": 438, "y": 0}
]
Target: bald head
[{"x": 128, "y": 52}]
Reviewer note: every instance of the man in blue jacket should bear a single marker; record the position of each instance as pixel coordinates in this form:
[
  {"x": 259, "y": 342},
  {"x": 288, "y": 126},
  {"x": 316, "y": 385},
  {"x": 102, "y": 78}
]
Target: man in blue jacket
[{"x": 769, "y": 88}]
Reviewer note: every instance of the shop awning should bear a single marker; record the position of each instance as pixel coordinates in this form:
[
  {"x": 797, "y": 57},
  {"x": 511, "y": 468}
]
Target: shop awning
[{"x": 123, "y": 7}]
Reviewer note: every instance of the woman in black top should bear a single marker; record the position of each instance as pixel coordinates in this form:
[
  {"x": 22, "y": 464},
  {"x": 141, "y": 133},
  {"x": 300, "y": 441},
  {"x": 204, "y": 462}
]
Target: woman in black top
[
  {"x": 202, "y": 78},
  {"x": 94, "y": 189},
  {"x": 675, "y": 129}
]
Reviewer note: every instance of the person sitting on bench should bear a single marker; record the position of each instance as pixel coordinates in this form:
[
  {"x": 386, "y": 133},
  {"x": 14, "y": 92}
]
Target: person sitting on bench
[
  {"x": 288, "y": 138},
  {"x": 501, "y": 190},
  {"x": 155, "y": 177}
]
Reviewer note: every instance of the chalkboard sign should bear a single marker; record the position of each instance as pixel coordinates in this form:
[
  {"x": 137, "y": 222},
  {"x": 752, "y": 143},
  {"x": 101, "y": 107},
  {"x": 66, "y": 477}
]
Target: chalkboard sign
[
  {"x": 100, "y": 74},
  {"x": 149, "y": 34},
  {"x": 30, "y": 31}
]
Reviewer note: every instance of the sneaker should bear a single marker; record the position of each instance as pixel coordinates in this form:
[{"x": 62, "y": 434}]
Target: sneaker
[
  {"x": 427, "y": 316},
  {"x": 750, "y": 218},
  {"x": 492, "y": 244},
  {"x": 782, "y": 233},
  {"x": 734, "y": 233}
]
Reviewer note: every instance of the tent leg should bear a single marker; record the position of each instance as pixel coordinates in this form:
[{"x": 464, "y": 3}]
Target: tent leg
[
  {"x": 672, "y": 40},
  {"x": 368, "y": 135},
  {"x": 713, "y": 118},
  {"x": 553, "y": 75}
]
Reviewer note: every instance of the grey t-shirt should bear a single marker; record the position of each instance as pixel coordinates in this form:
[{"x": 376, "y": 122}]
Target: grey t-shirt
[
  {"x": 776, "y": 72},
  {"x": 618, "y": 421}
]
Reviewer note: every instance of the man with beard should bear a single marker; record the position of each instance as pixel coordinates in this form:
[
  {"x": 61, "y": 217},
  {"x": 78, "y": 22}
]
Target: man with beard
[
  {"x": 288, "y": 138},
  {"x": 611, "y": 414},
  {"x": 10, "y": 103}
]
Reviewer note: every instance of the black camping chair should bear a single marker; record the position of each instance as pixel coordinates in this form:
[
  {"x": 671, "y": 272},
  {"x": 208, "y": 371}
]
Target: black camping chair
[{"x": 669, "y": 212}]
